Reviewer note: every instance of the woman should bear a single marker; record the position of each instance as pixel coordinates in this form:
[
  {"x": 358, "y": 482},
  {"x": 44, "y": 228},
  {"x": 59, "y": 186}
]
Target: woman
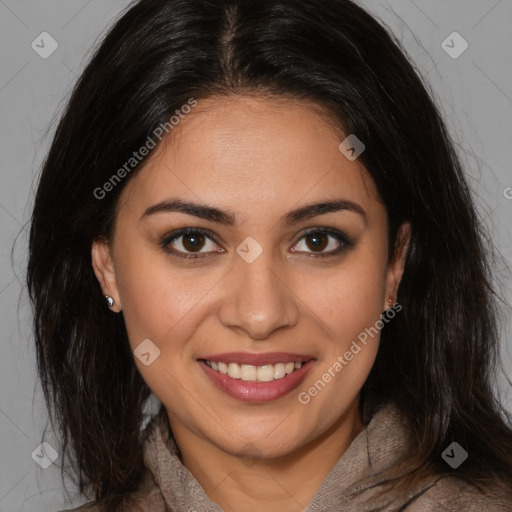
[{"x": 253, "y": 212}]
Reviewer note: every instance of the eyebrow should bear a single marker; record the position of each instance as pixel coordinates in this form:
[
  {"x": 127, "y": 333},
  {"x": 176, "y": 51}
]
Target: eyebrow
[{"x": 228, "y": 218}]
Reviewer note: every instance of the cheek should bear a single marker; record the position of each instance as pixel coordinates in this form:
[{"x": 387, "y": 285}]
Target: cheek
[
  {"x": 157, "y": 299},
  {"x": 162, "y": 305},
  {"x": 351, "y": 307},
  {"x": 352, "y": 300}
]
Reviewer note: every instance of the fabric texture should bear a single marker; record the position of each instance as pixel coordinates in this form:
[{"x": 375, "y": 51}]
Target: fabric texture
[{"x": 351, "y": 485}]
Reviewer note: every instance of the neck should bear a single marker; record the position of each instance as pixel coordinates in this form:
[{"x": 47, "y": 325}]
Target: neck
[{"x": 287, "y": 483}]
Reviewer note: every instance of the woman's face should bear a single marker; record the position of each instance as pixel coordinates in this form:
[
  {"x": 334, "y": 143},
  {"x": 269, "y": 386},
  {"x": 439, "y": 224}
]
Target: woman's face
[{"x": 259, "y": 289}]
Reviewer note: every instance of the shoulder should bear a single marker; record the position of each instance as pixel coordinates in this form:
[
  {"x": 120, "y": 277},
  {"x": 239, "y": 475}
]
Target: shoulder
[
  {"x": 135, "y": 503},
  {"x": 148, "y": 498},
  {"x": 452, "y": 494}
]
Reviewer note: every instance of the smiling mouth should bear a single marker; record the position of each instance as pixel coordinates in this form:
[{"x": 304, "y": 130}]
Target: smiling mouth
[
  {"x": 276, "y": 375},
  {"x": 250, "y": 373}
]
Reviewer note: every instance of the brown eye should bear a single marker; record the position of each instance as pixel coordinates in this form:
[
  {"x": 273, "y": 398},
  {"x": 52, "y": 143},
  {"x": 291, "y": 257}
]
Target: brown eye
[
  {"x": 193, "y": 241},
  {"x": 189, "y": 243},
  {"x": 316, "y": 241}
]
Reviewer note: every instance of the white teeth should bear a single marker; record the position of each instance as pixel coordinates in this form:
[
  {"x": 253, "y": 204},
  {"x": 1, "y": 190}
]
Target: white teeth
[
  {"x": 248, "y": 372},
  {"x": 279, "y": 370},
  {"x": 265, "y": 373},
  {"x": 234, "y": 370}
]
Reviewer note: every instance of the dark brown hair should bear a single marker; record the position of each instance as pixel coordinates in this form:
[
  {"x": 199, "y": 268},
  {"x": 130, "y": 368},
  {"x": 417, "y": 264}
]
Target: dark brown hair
[{"x": 436, "y": 359}]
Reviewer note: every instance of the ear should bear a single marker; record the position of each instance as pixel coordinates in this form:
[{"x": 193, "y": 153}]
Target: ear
[
  {"x": 103, "y": 266},
  {"x": 396, "y": 264}
]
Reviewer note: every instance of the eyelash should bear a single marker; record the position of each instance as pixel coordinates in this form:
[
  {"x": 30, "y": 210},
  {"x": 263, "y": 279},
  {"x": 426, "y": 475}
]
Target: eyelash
[{"x": 345, "y": 242}]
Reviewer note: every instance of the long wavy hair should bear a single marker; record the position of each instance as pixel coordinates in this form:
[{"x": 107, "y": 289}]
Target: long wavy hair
[{"x": 437, "y": 359}]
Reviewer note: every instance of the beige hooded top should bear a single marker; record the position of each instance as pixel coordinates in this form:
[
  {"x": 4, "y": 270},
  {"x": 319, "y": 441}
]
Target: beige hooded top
[{"x": 382, "y": 444}]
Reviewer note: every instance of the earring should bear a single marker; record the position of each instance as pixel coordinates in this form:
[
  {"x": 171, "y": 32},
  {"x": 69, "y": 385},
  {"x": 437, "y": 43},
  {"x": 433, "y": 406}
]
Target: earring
[
  {"x": 390, "y": 302},
  {"x": 110, "y": 300}
]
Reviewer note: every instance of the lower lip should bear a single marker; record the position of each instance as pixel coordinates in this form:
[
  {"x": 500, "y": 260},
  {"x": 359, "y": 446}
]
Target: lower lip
[{"x": 252, "y": 391}]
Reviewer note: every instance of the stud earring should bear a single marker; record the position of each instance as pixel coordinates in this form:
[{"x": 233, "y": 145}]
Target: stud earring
[
  {"x": 390, "y": 302},
  {"x": 110, "y": 300}
]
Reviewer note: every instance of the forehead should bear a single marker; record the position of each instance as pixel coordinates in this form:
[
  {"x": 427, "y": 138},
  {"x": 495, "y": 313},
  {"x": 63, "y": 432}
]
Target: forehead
[{"x": 251, "y": 154}]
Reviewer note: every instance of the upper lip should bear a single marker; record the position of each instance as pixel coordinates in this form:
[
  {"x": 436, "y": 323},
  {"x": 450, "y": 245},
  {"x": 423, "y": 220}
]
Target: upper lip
[{"x": 257, "y": 359}]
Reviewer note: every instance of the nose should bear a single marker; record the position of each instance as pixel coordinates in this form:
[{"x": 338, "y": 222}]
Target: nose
[{"x": 258, "y": 299}]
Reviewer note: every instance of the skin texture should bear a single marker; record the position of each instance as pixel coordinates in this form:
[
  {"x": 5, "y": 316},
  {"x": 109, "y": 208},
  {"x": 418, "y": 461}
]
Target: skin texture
[{"x": 258, "y": 158}]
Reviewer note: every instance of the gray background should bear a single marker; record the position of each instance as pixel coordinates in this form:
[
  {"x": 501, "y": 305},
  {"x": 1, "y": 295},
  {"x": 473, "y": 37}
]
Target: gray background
[{"x": 474, "y": 90}]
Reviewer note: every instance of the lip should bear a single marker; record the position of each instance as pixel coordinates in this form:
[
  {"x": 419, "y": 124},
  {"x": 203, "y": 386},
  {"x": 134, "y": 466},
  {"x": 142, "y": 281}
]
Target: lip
[
  {"x": 257, "y": 392},
  {"x": 255, "y": 359}
]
